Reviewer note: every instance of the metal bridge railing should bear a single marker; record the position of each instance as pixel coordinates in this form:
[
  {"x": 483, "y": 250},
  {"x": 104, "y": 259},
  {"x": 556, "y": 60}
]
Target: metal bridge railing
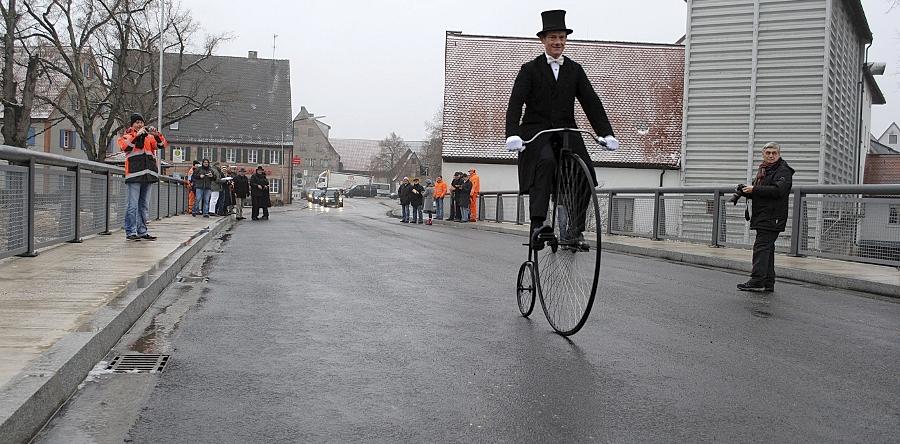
[
  {"x": 859, "y": 223},
  {"x": 47, "y": 199}
]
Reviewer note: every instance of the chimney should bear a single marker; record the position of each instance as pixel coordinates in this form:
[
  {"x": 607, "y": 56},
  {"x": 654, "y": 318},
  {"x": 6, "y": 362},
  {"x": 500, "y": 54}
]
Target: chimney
[{"x": 251, "y": 54}]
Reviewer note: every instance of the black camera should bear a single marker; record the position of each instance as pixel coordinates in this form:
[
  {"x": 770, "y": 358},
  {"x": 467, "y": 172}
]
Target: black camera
[{"x": 739, "y": 192}]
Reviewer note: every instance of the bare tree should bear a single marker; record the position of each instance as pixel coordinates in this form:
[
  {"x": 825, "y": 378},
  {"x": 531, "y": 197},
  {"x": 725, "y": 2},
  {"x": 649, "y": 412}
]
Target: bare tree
[
  {"x": 107, "y": 52},
  {"x": 434, "y": 144},
  {"x": 17, "y": 101},
  {"x": 393, "y": 150}
]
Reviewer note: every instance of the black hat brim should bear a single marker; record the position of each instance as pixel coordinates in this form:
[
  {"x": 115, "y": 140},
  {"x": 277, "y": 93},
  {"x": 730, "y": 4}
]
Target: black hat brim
[{"x": 541, "y": 33}]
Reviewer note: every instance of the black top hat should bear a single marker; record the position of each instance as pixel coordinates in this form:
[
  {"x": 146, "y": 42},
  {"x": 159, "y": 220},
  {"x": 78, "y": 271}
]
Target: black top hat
[
  {"x": 134, "y": 118},
  {"x": 554, "y": 20}
]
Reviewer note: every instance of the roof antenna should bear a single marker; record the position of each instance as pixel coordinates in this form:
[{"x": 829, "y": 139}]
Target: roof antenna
[{"x": 274, "y": 36}]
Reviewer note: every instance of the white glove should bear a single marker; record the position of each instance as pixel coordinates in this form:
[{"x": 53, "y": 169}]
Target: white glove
[
  {"x": 514, "y": 143},
  {"x": 612, "y": 143}
]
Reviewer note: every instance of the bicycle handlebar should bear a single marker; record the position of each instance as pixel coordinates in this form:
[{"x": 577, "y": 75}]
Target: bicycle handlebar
[{"x": 600, "y": 141}]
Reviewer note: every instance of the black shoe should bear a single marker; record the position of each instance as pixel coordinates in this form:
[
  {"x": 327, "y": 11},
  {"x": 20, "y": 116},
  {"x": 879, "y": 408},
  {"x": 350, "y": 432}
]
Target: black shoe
[
  {"x": 265, "y": 218},
  {"x": 537, "y": 243},
  {"x": 254, "y": 218},
  {"x": 148, "y": 237},
  {"x": 749, "y": 286},
  {"x": 205, "y": 215},
  {"x": 133, "y": 237},
  {"x": 770, "y": 289}
]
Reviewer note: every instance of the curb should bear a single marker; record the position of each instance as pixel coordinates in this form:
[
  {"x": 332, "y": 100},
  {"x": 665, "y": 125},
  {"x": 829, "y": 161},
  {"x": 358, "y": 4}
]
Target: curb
[
  {"x": 797, "y": 274},
  {"x": 34, "y": 395}
]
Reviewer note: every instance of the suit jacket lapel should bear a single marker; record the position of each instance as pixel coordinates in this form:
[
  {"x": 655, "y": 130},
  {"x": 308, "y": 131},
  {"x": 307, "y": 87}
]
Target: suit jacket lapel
[{"x": 546, "y": 70}]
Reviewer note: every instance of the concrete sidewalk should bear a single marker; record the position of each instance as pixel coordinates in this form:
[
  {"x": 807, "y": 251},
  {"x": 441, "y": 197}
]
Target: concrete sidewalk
[
  {"x": 61, "y": 311},
  {"x": 868, "y": 278}
]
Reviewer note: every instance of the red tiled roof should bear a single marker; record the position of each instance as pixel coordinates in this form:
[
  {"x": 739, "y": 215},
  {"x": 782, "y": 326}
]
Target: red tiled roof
[
  {"x": 882, "y": 168},
  {"x": 641, "y": 86},
  {"x": 357, "y": 154}
]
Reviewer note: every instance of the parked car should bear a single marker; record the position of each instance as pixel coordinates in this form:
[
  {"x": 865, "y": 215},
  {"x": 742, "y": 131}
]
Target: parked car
[
  {"x": 309, "y": 194},
  {"x": 316, "y": 196},
  {"x": 362, "y": 190},
  {"x": 332, "y": 197}
]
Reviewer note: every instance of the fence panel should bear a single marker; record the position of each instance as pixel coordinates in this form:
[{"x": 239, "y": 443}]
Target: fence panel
[
  {"x": 632, "y": 215},
  {"x": 851, "y": 227},
  {"x": 93, "y": 203},
  {"x": 54, "y": 206},
  {"x": 13, "y": 210}
]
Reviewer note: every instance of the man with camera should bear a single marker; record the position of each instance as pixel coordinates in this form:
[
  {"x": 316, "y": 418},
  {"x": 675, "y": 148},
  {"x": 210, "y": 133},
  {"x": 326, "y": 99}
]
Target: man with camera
[
  {"x": 768, "y": 201},
  {"x": 141, "y": 171}
]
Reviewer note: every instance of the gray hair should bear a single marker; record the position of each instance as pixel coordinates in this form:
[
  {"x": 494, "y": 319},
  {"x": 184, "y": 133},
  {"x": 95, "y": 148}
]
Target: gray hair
[{"x": 772, "y": 145}]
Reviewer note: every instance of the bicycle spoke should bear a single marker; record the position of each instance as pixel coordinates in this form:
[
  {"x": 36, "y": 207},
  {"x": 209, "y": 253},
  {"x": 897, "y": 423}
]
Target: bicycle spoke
[{"x": 567, "y": 277}]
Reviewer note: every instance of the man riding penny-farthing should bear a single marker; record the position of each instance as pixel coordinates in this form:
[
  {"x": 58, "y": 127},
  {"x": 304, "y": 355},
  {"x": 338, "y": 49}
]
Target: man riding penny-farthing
[{"x": 564, "y": 241}]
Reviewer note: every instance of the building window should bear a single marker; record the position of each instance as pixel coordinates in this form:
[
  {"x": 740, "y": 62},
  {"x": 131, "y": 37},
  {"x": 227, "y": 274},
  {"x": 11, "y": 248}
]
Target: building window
[
  {"x": 324, "y": 163},
  {"x": 174, "y": 126},
  {"x": 31, "y": 137},
  {"x": 275, "y": 186},
  {"x": 65, "y": 141},
  {"x": 252, "y": 156},
  {"x": 207, "y": 153},
  {"x": 275, "y": 157},
  {"x": 231, "y": 155},
  {"x": 893, "y": 216},
  {"x": 73, "y": 102},
  {"x": 309, "y": 132},
  {"x": 892, "y": 139}
]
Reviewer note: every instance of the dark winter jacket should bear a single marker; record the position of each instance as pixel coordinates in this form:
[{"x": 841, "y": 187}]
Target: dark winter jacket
[
  {"x": 455, "y": 190},
  {"x": 260, "y": 196},
  {"x": 550, "y": 103},
  {"x": 770, "y": 198},
  {"x": 415, "y": 196},
  {"x": 465, "y": 189},
  {"x": 202, "y": 178},
  {"x": 241, "y": 186},
  {"x": 405, "y": 193}
]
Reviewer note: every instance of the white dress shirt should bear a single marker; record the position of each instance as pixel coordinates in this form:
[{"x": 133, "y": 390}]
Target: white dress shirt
[{"x": 554, "y": 64}]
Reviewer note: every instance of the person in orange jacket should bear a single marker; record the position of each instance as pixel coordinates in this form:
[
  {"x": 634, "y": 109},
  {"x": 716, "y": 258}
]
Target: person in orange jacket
[
  {"x": 141, "y": 171},
  {"x": 192, "y": 196},
  {"x": 473, "y": 197},
  {"x": 440, "y": 191}
]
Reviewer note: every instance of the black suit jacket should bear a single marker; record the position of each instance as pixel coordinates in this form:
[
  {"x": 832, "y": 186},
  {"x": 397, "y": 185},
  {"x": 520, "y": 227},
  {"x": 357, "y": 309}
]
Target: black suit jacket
[{"x": 550, "y": 103}]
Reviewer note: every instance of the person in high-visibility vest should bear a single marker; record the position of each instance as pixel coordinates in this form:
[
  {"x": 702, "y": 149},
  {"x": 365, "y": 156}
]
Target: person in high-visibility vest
[
  {"x": 473, "y": 197},
  {"x": 141, "y": 171}
]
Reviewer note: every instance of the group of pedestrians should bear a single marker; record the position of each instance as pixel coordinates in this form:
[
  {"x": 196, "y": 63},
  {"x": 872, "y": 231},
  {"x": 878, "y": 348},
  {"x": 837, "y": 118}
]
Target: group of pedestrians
[
  {"x": 417, "y": 200},
  {"x": 221, "y": 191}
]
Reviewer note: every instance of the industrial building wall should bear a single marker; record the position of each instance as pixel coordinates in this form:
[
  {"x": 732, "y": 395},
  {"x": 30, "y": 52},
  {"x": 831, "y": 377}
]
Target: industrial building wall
[{"x": 840, "y": 147}]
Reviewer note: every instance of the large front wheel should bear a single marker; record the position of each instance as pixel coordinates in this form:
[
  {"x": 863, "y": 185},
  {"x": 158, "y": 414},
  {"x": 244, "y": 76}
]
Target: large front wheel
[{"x": 569, "y": 266}]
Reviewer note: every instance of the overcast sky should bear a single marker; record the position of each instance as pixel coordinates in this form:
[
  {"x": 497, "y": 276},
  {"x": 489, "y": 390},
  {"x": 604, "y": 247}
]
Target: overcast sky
[{"x": 377, "y": 66}]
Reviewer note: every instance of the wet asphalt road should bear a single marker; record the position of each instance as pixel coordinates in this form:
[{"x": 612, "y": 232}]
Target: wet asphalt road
[{"x": 344, "y": 325}]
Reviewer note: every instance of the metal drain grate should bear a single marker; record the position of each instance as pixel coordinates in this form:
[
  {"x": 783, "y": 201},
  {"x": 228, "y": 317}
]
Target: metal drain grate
[{"x": 138, "y": 363}]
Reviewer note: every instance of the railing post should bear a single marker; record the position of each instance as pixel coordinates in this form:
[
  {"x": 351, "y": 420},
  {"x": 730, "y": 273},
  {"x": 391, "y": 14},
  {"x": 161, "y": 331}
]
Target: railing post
[
  {"x": 109, "y": 177},
  {"x": 795, "y": 223},
  {"x": 717, "y": 218},
  {"x": 158, "y": 197},
  {"x": 169, "y": 199},
  {"x": 657, "y": 203},
  {"x": 480, "y": 206},
  {"x": 32, "y": 172},
  {"x": 520, "y": 208},
  {"x": 77, "y": 239},
  {"x": 609, "y": 213},
  {"x": 499, "y": 208}
]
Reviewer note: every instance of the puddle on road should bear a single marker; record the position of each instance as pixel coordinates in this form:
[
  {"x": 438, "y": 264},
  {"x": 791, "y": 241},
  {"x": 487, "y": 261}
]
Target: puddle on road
[{"x": 147, "y": 343}]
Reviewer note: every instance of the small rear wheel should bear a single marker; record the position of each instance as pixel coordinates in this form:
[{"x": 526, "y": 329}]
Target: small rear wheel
[{"x": 525, "y": 288}]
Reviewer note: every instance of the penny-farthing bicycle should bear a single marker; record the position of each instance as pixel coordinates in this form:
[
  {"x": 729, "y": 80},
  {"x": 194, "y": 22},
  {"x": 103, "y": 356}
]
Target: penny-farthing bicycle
[{"x": 564, "y": 272}]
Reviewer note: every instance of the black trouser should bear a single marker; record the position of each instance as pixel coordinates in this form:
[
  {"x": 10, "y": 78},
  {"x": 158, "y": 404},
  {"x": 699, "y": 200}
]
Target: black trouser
[
  {"x": 453, "y": 208},
  {"x": 575, "y": 201},
  {"x": 764, "y": 258},
  {"x": 265, "y": 211}
]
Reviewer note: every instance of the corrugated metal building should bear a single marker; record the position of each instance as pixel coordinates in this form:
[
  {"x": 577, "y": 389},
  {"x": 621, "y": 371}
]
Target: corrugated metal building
[{"x": 788, "y": 71}]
